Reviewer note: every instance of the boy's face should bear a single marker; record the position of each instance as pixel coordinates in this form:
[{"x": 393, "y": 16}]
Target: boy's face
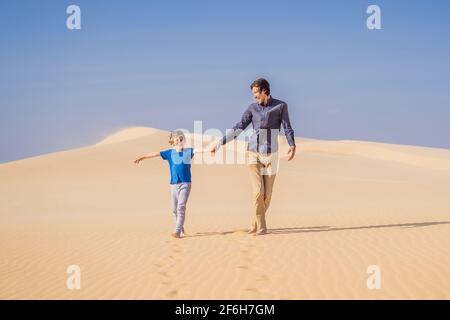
[{"x": 177, "y": 141}]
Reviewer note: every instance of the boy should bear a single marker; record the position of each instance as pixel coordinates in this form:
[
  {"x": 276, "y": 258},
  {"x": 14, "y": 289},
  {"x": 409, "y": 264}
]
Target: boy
[{"x": 179, "y": 159}]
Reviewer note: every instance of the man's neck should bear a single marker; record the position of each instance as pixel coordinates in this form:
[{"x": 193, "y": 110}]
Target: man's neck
[{"x": 266, "y": 102}]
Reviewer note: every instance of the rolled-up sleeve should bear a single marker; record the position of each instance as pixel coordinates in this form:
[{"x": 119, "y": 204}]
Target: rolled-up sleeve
[
  {"x": 246, "y": 119},
  {"x": 286, "y": 123}
]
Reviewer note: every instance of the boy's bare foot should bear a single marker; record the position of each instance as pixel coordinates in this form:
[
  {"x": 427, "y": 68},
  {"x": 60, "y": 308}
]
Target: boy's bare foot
[
  {"x": 252, "y": 230},
  {"x": 175, "y": 235}
]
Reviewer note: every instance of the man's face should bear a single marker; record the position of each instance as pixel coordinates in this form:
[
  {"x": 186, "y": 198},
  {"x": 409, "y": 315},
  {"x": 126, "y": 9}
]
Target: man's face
[{"x": 260, "y": 96}]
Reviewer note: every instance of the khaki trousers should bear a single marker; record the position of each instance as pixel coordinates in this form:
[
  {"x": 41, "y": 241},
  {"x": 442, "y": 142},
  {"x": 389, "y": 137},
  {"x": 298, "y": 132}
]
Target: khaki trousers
[{"x": 262, "y": 169}]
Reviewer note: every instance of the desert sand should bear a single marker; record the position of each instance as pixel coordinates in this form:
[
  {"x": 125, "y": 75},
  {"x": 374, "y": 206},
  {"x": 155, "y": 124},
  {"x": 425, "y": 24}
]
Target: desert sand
[{"x": 337, "y": 208}]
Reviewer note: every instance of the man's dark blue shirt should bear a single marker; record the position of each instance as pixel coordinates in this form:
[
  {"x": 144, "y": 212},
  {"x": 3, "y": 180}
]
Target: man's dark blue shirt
[{"x": 267, "y": 121}]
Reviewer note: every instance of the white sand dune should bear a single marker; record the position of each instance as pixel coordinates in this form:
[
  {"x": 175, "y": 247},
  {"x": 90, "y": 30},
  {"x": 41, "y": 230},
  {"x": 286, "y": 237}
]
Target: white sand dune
[
  {"x": 420, "y": 156},
  {"x": 128, "y": 134},
  {"x": 337, "y": 208}
]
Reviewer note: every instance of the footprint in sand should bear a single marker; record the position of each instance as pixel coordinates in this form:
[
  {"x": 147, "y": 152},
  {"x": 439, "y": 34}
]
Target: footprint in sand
[
  {"x": 262, "y": 277},
  {"x": 249, "y": 253},
  {"x": 165, "y": 268},
  {"x": 172, "y": 293},
  {"x": 164, "y": 274},
  {"x": 176, "y": 291}
]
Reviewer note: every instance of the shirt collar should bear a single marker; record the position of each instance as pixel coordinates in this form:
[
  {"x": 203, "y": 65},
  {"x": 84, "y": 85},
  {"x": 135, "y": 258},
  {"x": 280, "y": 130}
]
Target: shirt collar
[{"x": 269, "y": 101}]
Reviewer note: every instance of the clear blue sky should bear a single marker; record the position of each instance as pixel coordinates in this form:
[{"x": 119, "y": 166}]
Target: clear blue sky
[{"x": 165, "y": 64}]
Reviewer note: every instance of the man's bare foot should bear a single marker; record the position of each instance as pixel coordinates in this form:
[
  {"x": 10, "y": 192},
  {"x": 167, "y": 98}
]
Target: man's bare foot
[
  {"x": 175, "y": 235},
  {"x": 260, "y": 233}
]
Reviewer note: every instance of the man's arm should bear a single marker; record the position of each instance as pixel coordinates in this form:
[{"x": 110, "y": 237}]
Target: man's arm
[
  {"x": 239, "y": 127},
  {"x": 288, "y": 131}
]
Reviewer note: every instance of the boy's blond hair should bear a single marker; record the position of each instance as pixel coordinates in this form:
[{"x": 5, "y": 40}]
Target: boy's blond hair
[{"x": 176, "y": 134}]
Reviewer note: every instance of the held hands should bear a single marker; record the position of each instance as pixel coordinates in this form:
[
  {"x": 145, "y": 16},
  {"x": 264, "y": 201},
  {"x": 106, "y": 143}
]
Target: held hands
[{"x": 214, "y": 147}]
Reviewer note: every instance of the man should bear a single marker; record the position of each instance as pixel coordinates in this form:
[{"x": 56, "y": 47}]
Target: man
[{"x": 266, "y": 115}]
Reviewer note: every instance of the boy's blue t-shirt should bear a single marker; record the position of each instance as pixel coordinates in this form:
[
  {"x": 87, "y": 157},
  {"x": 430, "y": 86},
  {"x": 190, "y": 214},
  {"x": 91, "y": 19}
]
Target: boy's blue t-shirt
[{"x": 179, "y": 164}]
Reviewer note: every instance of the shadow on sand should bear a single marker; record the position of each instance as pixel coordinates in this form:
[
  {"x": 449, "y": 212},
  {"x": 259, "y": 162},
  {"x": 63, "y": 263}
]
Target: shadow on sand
[{"x": 322, "y": 229}]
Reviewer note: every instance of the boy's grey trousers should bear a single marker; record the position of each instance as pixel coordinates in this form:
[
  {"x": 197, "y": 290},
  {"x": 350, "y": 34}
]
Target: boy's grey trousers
[{"x": 180, "y": 194}]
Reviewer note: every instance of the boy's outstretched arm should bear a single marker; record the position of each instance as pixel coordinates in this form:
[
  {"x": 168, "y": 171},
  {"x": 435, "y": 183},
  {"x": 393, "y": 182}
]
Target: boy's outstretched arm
[{"x": 147, "y": 156}]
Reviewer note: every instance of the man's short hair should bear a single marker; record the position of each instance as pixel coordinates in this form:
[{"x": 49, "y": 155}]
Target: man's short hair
[{"x": 262, "y": 84}]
